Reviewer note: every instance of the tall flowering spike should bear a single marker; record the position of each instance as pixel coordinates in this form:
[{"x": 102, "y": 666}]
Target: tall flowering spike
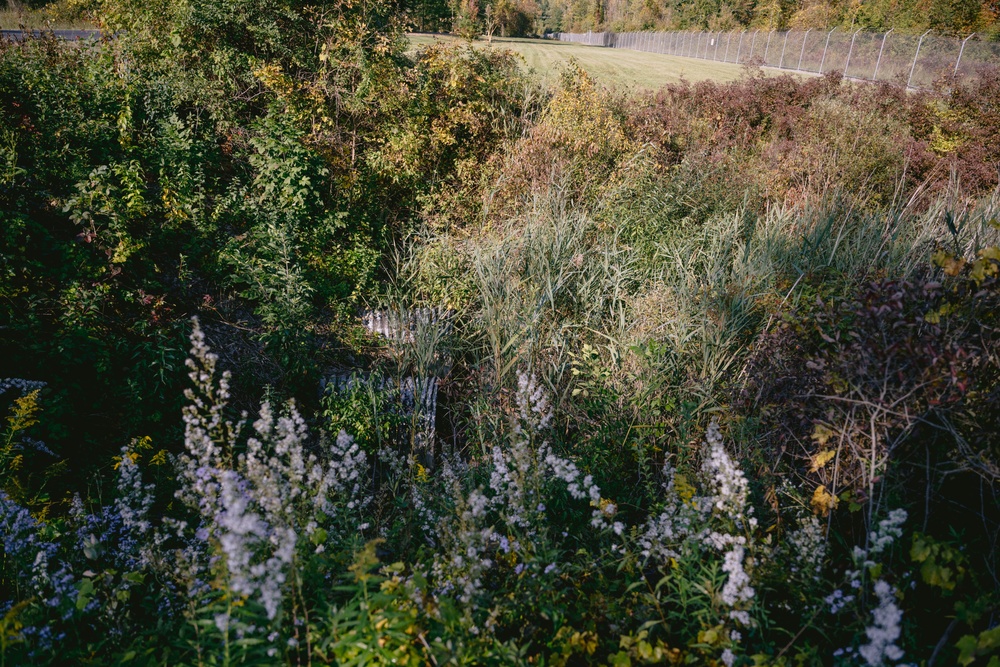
[
  {"x": 138, "y": 539},
  {"x": 679, "y": 521},
  {"x": 533, "y": 403},
  {"x": 727, "y": 482},
  {"x": 257, "y": 554},
  {"x": 276, "y": 462},
  {"x": 207, "y": 433},
  {"x": 737, "y": 588},
  {"x": 206, "y": 430}
]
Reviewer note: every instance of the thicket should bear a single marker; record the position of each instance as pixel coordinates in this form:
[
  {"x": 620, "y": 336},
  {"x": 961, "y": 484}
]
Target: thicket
[
  {"x": 519, "y": 18},
  {"x": 949, "y": 17},
  {"x": 719, "y": 373}
]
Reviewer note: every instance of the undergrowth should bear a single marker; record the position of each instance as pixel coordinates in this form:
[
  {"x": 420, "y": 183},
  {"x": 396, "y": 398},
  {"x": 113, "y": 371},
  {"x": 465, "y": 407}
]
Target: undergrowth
[{"x": 483, "y": 373}]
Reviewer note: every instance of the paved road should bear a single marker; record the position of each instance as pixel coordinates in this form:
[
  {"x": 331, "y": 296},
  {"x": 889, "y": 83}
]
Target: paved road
[{"x": 69, "y": 35}]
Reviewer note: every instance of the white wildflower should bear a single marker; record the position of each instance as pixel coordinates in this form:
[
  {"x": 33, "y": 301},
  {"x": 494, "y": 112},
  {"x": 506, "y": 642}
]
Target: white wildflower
[
  {"x": 885, "y": 629},
  {"x": 737, "y": 588},
  {"x": 808, "y": 547},
  {"x": 532, "y": 403},
  {"x": 726, "y": 481},
  {"x": 889, "y": 530}
]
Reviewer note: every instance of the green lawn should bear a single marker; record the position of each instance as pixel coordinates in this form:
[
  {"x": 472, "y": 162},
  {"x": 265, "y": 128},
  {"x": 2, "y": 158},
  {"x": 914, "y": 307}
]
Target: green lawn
[{"x": 612, "y": 67}]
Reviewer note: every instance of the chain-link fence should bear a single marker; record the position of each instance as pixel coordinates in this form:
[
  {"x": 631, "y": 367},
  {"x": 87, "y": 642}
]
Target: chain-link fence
[{"x": 913, "y": 61}]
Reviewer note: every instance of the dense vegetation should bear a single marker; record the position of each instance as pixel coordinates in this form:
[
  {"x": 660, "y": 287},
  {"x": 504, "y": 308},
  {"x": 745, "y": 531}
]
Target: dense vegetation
[
  {"x": 950, "y": 17},
  {"x": 719, "y": 367},
  {"x": 525, "y": 17},
  {"x": 519, "y": 18}
]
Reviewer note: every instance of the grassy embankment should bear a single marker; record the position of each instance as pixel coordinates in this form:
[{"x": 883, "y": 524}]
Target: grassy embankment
[{"x": 619, "y": 68}]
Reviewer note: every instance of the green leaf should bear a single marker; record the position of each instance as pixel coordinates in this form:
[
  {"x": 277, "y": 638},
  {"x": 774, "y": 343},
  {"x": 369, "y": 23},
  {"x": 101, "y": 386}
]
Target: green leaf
[
  {"x": 966, "y": 650},
  {"x": 134, "y": 577},
  {"x": 85, "y": 592}
]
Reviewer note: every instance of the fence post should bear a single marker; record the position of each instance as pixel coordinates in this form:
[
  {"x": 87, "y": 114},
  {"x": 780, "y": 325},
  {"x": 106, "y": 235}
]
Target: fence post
[
  {"x": 739, "y": 47},
  {"x": 754, "y": 41},
  {"x": 729, "y": 40},
  {"x": 694, "y": 44},
  {"x": 803, "y": 51},
  {"x": 849, "y": 52},
  {"x": 880, "y": 50},
  {"x": 781, "y": 61},
  {"x": 825, "y": 47},
  {"x": 961, "y": 51},
  {"x": 766, "y": 47},
  {"x": 915, "y": 56}
]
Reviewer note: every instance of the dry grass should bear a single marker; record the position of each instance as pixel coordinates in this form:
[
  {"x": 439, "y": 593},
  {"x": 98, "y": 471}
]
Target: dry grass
[
  {"x": 618, "y": 68},
  {"x": 14, "y": 16}
]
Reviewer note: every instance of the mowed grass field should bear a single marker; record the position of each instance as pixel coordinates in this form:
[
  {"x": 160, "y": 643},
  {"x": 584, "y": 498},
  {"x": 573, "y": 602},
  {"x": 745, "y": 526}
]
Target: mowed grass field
[{"x": 617, "y": 68}]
